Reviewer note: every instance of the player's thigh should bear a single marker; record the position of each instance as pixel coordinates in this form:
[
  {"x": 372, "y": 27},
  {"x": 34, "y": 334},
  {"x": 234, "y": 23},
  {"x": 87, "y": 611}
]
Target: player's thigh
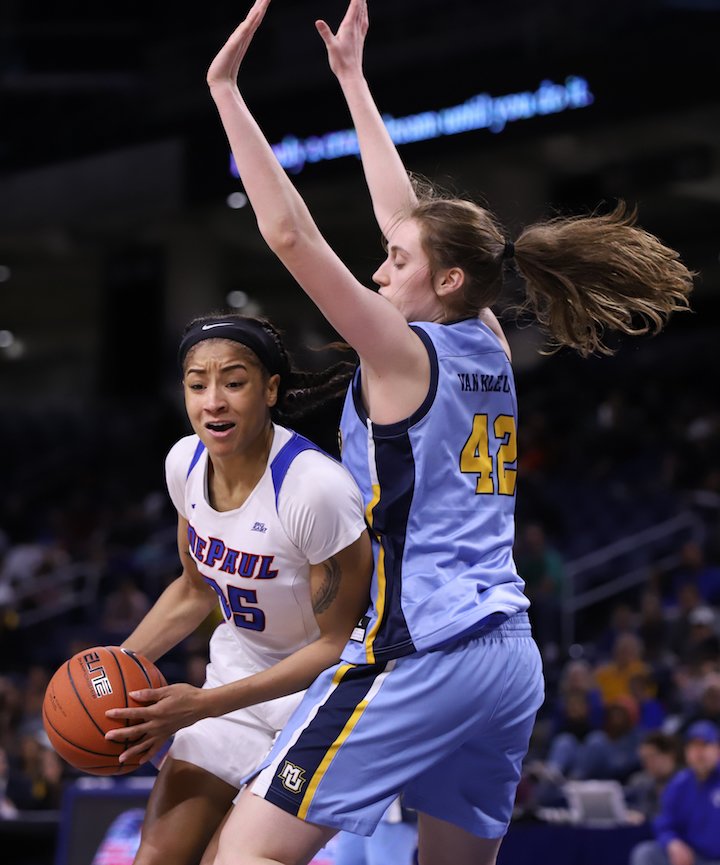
[
  {"x": 257, "y": 830},
  {"x": 185, "y": 807},
  {"x": 442, "y": 843},
  {"x": 394, "y": 843}
]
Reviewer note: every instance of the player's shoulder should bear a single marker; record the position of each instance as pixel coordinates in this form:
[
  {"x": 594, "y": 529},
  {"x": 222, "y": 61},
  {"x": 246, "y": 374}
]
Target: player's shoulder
[
  {"x": 318, "y": 466},
  {"x": 467, "y": 335},
  {"x": 314, "y": 458},
  {"x": 181, "y": 454}
]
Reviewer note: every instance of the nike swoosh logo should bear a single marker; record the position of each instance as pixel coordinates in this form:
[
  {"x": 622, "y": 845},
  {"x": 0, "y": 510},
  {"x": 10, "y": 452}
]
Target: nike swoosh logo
[{"x": 221, "y": 324}]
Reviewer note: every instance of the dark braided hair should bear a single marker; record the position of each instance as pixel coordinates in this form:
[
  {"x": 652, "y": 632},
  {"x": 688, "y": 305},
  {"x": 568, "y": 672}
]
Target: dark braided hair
[
  {"x": 301, "y": 393},
  {"x": 304, "y": 392}
]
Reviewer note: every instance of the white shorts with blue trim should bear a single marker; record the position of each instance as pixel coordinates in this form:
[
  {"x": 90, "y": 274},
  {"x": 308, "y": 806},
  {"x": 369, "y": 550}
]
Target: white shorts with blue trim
[
  {"x": 232, "y": 746},
  {"x": 447, "y": 728}
]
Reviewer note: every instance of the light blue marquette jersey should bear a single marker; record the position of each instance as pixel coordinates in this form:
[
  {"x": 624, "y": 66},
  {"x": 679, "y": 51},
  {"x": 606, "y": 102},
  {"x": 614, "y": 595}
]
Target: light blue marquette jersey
[{"x": 439, "y": 495}]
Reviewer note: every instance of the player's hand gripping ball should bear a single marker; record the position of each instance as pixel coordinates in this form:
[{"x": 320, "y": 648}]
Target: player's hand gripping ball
[{"x": 78, "y": 696}]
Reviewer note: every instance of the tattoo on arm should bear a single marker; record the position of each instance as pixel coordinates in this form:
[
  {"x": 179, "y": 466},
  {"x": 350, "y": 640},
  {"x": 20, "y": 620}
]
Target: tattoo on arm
[{"x": 327, "y": 591}]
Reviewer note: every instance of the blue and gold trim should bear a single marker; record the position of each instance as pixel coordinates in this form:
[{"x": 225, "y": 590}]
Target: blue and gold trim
[
  {"x": 389, "y": 634},
  {"x": 392, "y": 469},
  {"x": 306, "y": 761}
]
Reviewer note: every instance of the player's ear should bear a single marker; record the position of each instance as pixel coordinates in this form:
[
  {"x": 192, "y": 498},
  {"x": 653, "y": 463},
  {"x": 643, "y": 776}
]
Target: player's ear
[
  {"x": 449, "y": 281},
  {"x": 271, "y": 390}
]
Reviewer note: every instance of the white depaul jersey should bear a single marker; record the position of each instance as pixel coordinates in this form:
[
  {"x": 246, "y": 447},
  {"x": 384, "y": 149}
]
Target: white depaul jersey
[{"x": 305, "y": 508}]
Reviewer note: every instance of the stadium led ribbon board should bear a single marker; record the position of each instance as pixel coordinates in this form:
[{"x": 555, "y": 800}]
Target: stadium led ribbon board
[{"x": 479, "y": 112}]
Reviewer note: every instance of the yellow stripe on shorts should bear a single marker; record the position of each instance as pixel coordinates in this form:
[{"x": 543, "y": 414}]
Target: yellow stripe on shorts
[{"x": 333, "y": 749}]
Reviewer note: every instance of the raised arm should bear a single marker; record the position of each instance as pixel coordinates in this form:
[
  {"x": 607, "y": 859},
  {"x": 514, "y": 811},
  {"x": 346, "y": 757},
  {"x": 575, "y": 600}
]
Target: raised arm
[
  {"x": 376, "y": 330},
  {"x": 391, "y": 191},
  {"x": 390, "y": 188}
]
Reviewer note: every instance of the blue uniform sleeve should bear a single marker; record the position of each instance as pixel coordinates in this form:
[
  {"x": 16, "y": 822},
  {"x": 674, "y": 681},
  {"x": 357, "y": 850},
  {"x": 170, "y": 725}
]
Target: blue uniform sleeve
[{"x": 666, "y": 824}]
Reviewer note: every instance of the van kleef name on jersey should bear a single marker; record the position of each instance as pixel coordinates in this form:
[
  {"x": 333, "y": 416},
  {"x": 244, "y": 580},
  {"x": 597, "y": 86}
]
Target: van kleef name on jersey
[{"x": 473, "y": 381}]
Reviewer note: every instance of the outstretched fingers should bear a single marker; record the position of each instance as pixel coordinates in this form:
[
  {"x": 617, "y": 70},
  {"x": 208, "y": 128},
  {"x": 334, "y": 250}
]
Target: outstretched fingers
[
  {"x": 226, "y": 65},
  {"x": 345, "y": 48},
  {"x": 357, "y": 12}
]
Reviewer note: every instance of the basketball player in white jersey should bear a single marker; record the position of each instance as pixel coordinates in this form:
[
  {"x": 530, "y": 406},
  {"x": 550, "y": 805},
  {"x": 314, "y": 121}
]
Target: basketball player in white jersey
[{"x": 272, "y": 529}]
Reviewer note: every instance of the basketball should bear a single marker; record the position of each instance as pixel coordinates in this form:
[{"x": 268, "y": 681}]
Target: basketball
[{"x": 79, "y": 694}]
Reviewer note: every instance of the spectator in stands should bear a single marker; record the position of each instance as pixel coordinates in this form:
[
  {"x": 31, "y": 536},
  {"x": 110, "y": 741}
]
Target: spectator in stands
[
  {"x": 699, "y": 658},
  {"x": 537, "y": 444},
  {"x": 10, "y": 710},
  {"x": 572, "y": 728},
  {"x": 687, "y": 689},
  {"x": 124, "y": 608},
  {"x": 614, "y": 676},
  {"x": 643, "y": 688},
  {"x": 35, "y": 684},
  {"x": 706, "y": 707},
  {"x": 688, "y": 599},
  {"x": 582, "y": 753},
  {"x": 615, "y": 419},
  {"x": 660, "y": 757},
  {"x": 702, "y": 645},
  {"x": 574, "y": 710},
  {"x": 612, "y": 753},
  {"x": 687, "y": 828},
  {"x": 694, "y": 568},
  {"x": 8, "y": 809},
  {"x": 652, "y": 627},
  {"x": 25, "y": 568},
  {"x": 577, "y": 677},
  {"x": 622, "y": 621},
  {"x": 542, "y": 568},
  {"x": 38, "y": 780}
]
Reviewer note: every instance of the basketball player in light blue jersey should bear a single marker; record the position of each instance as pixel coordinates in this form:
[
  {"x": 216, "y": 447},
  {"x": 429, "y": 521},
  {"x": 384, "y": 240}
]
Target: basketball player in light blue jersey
[{"x": 437, "y": 691}]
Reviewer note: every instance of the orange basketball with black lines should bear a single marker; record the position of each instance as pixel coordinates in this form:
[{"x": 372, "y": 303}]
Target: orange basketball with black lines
[{"x": 77, "y": 697}]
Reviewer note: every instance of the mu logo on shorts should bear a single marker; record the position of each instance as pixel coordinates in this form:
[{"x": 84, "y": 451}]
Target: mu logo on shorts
[{"x": 292, "y": 777}]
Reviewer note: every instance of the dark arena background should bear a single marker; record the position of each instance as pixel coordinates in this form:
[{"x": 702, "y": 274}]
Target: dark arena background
[{"x": 120, "y": 219}]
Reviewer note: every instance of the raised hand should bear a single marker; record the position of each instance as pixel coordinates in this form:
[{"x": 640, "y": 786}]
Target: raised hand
[
  {"x": 224, "y": 68},
  {"x": 345, "y": 48}
]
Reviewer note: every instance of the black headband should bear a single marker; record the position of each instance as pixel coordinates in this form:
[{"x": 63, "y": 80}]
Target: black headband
[
  {"x": 247, "y": 332},
  {"x": 509, "y": 250}
]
